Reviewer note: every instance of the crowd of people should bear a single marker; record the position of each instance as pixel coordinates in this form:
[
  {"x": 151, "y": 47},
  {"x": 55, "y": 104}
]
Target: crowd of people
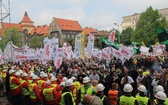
[{"x": 141, "y": 80}]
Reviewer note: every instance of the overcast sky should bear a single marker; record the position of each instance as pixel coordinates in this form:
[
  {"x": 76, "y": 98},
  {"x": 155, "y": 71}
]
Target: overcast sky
[{"x": 99, "y": 14}]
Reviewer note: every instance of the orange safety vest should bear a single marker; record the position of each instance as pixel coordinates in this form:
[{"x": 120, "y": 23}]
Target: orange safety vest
[{"x": 113, "y": 96}]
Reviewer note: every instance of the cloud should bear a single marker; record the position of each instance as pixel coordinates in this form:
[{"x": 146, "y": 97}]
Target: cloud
[{"x": 99, "y": 14}]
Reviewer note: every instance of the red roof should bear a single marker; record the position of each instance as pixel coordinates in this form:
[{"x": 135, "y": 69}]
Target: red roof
[
  {"x": 40, "y": 30},
  {"x": 10, "y": 25},
  {"x": 65, "y": 24},
  {"x": 90, "y": 30},
  {"x": 26, "y": 19}
]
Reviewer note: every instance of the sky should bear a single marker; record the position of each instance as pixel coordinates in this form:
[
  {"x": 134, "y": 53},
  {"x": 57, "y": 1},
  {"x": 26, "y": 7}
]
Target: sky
[{"x": 99, "y": 14}]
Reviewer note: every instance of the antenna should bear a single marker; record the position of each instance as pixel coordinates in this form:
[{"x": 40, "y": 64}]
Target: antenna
[{"x": 4, "y": 13}]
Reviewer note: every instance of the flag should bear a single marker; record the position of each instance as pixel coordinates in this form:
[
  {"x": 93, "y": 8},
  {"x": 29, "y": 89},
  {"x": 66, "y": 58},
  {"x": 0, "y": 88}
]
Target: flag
[
  {"x": 107, "y": 43},
  {"x": 112, "y": 36},
  {"x": 162, "y": 34},
  {"x": 136, "y": 47}
]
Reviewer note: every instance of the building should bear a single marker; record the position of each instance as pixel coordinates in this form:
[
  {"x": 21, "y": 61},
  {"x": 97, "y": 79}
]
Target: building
[
  {"x": 131, "y": 20},
  {"x": 64, "y": 29},
  {"x": 24, "y": 27}
]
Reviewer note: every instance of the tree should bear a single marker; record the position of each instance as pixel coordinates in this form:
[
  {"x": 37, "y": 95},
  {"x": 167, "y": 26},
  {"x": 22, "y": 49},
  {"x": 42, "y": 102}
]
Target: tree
[
  {"x": 13, "y": 35},
  {"x": 126, "y": 35},
  {"x": 146, "y": 26},
  {"x": 36, "y": 41}
]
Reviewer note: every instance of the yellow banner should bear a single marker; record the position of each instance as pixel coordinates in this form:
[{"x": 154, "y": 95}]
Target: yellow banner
[{"x": 83, "y": 35}]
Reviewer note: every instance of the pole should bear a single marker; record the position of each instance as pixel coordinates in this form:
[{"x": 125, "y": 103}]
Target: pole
[{"x": 118, "y": 32}]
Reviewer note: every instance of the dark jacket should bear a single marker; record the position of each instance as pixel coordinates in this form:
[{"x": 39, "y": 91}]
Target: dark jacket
[{"x": 67, "y": 97}]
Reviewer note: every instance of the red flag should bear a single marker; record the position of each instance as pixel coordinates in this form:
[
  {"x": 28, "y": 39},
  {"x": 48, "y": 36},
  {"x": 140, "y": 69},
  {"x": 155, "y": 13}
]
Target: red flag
[{"x": 112, "y": 36}]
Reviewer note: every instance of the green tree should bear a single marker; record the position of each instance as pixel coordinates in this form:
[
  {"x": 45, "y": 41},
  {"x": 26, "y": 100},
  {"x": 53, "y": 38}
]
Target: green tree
[
  {"x": 13, "y": 35},
  {"x": 126, "y": 35},
  {"x": 36, "y": 41},
  {"x": 145, "y": 28}
]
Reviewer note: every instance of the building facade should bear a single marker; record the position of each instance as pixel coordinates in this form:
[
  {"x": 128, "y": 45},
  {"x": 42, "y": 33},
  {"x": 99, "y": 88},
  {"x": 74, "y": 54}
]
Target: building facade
[{"x": 131, "y": 20}]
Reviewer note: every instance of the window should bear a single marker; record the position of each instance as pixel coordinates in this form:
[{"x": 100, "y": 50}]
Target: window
[
  {"x": 64, "y": 36},
  {"x": 72, "y": 36},
  {"x": 68, "y": 36}
]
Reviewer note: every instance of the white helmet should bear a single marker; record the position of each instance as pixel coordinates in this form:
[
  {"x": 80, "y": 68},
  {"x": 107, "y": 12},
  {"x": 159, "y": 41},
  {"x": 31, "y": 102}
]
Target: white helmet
[
  {"x": 48, "y": 82},
  {"x": 69, "y": 82},
  {"x": 161, "y": 95},
  {"x": 142, "y": 88},
  {"x": 73, "y": 78},
  {"x": 159, "y": 88},
  {"x": 86, "y": 79},
  {"x": 11, "y": 71},
  {"x": 20, "y": 71},
  {"x": 44, "y": 75},
  {"x": 32, "y": 74},
  {"x": 53, "y": 79},
  {"x": 64, "y": 79},
  {"x": 17, "y": 73},
  {"x": 62, "y": 84},
  {"x": 127, "y": 88},
  {"x": 100, "y": 87},
  {"x": 24, "y": 75},
  {"x": 35, "y": 77}
]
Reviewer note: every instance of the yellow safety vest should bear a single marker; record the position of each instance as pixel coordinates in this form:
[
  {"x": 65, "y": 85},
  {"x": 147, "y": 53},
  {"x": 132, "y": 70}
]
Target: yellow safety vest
[
  {"x": 77, "y": 84},
  {"x": 32, "y": 93},
  {"x": 48, "y": 94},
  {"x": 40, "y": 82},
  {"x": 54, "y": 85},
  {"x": 124, "y": 100},
  {"x": 12, "y": 85},
  {"x": 62, "y": 101},
  {"x": 142, "y": 100},
  {"x": 89, "y": 91},
  {"x": 24, "y": 90},
  {"x": 30, "y": 81},
  {"x": 103, "y": 98}
]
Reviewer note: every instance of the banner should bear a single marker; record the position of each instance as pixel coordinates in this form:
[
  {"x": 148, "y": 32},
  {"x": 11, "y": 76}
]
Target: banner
[
  {"x": 77, "y": 50},
  {"x": 90, "y": 44},
  {"x": 111, "y": 37},
  {"x": 82, "y": 44}
]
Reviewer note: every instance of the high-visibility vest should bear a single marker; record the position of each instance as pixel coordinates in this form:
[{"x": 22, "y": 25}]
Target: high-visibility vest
[
  {"x": 40, "y": 82},
  {"x": 103, "y": 98},
  {"x": 32, "y": 93},
  {"x": 62, "y": 101},
  {"x": 30, "y": 81},
  {"x": 13, "y": 86},
  {"x": 48, "y": 94},
  {"x": 77, "y": 84},
  {"x": 124, "y": 100},
  {"x": 24, "y": 90},
  {"x": 89, "y": 91},
  {"x": 166, "y": 102},
  {"x": 54, "y": 85},
  {"x": 113, "y": 96},
  {"x": 74, "y": 93},
  {"x": 142, "y": 100}
]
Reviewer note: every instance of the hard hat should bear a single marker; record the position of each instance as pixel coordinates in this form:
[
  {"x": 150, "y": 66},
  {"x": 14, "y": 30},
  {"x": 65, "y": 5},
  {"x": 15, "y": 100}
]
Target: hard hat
[
  {"x": 62, "y": 84},
  {"x": 24, "y": 75},
  {"x": 32, "y": 74},
  {"x": 161, "y": 95},
  {"x": 35, "y": 77},
  {"x": 20, "y": 71},
  {"x": 142, "y": 88},
  {"x": 51, "y": 75},
  {"x": 53, "y": 79},
  {"x": 44, "y": 75},
  {"x": 64, "y": 79},
  {"x": 11, "y": 71},
  {"x": 69, "y": 82},
  {"x": 100, "y": 87},
  {"x": 86, "y": 79},
  {"x": 42, "y": 72},
  {"x": 48, "y": 82},
  {"x": 17, "y": 73},
  {"x": 127, "y": 88},
  {"x": 4, "y": 70},
  {"x": 73, "y": 78},
  {"x": 159, "y": 88}
]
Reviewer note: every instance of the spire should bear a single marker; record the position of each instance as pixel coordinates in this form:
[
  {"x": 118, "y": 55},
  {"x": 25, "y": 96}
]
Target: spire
[{"x": 25, "y": 13}]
